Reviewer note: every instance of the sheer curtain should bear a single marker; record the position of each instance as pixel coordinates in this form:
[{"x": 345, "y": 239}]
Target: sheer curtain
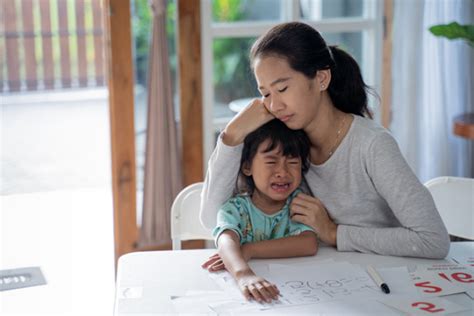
[
  {"x": 432, "y": 83},
  {"x": 162, "y": 160}
]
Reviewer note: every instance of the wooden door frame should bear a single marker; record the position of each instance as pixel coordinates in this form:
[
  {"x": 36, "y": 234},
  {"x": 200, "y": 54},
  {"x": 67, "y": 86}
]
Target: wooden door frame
[{"x": 122, "y": 131}]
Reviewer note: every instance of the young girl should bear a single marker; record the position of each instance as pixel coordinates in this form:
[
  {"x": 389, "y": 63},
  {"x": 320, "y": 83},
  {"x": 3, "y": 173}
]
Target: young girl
[
  {"x": 365, "y": 196},
  {"x": 256, "y": 222}
]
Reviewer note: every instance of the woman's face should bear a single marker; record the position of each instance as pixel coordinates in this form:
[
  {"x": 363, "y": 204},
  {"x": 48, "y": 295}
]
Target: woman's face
[{"x": 288, "y": 94}]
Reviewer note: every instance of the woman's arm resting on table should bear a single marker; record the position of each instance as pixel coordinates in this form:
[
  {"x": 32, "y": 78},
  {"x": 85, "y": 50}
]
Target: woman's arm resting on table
[
  {"x": 304, "y": 244},
  {"x": 251, "y": 285}
]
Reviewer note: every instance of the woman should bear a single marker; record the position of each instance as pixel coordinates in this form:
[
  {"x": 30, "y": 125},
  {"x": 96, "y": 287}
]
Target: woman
[{"x": 365, "y": 196}]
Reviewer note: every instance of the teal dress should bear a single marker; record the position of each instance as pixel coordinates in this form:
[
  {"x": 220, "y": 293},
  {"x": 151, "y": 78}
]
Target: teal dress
[{"x": 240, "y": 215}]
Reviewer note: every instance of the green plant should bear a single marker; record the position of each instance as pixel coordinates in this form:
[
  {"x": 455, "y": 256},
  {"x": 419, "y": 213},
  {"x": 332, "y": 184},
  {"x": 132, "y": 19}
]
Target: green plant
[{"x": 455, "y": 30}]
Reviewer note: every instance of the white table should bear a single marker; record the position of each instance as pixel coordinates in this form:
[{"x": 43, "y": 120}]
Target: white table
[{"x": 151, "y": 277}]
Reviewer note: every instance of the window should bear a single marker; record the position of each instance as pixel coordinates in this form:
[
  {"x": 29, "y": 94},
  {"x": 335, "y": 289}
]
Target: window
[{"x": 229, "y": 27}]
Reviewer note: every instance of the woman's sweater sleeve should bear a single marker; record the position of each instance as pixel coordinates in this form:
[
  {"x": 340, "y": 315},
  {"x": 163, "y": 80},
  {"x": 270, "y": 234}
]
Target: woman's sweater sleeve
[
  {"x": 422, "y": 232},
  {"x": 222, "y": 171}
]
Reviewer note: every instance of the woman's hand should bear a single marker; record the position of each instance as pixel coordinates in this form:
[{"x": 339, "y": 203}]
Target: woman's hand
[
  {"x": 310, "y": 211},
  {"x": 255, "y": 287},
  {"x": 254, "y": 115},
  {"x": 214, "y": 263}
]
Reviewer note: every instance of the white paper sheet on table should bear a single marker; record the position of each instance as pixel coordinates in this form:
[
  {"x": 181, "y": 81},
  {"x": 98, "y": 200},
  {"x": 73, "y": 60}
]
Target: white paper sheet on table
[
  {"x": 196, "y": 302},
  {"x": 399, "y": 281},
  {"x": 303, "y": 284},
  {"x": 322, "y": 283}
]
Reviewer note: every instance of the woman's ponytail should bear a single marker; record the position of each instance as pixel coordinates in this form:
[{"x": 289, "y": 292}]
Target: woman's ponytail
[{"x": 347, "y": 89}]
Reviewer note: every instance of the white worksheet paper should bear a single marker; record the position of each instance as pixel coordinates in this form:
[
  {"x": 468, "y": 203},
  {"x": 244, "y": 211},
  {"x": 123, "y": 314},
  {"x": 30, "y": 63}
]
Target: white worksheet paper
[
  {"x": 307, "y": 284},
  {"x": 321, "y": 283}
]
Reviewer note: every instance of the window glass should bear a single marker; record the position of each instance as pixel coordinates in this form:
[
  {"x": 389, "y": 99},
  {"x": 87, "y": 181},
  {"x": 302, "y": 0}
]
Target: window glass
[
  {"x": 246, "y": 10},
  {"x": 233, "y": 78},
  {"x": 323, "y": 9},
  {"x": 351, "y": 42}
]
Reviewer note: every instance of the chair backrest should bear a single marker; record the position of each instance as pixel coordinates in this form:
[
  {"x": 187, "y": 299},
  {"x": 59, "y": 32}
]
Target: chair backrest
[
  {"x": 185, "y": 223},
  {"x": 454, "y": 199}
]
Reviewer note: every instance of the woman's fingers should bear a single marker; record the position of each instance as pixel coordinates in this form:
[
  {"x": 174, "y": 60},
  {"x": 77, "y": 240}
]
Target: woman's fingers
[{"x": 300, "y": 219}]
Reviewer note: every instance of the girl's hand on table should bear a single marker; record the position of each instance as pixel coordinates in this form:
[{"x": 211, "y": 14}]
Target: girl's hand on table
[{"x": 255, "y": 287}]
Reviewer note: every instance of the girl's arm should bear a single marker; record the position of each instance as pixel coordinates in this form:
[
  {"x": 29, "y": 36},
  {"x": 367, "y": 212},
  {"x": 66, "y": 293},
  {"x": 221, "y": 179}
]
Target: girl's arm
[
  {"x": 251, "y": 285},
  {"x": 304, "y": 244}
]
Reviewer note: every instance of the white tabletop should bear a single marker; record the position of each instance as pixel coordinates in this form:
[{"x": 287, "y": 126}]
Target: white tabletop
[{"x": 154, "y": 276}]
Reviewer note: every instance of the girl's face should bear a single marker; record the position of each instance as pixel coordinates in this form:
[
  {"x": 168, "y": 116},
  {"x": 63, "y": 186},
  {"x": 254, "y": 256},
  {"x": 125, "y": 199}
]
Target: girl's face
[
  {"x": 288, "y": 94},
  {"x": 275, "y": 177}
]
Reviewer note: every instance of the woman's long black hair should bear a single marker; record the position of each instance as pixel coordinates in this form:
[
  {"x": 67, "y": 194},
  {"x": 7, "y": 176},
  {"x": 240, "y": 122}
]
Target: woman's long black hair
[{"x": 306, "y": 52}]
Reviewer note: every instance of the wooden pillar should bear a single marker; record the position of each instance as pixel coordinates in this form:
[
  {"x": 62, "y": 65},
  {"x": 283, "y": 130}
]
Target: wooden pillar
[
  {"x": 190, "y": 92},
  {"x": 120, "y": 84},
  {"x": 387, "y": 65}
]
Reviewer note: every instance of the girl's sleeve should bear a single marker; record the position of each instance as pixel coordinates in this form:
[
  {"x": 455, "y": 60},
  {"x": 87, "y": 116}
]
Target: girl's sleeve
[
  {"x": 422, "y": 232},
  {"x": 228, "y": 218},
  {"x": 297, "y": 228},
  {"x": 220, "y": 181}
]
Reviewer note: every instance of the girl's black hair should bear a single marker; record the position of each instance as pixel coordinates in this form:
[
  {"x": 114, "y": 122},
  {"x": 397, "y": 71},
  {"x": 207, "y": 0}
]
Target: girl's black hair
[
  {"x": 306, "y": 52},
  {"x": 293, "y": 143}
]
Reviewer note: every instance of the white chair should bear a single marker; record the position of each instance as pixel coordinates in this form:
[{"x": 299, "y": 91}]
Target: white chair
[
  {"x": 454, "y": 199},
  {"x": 185, "y": 223}
]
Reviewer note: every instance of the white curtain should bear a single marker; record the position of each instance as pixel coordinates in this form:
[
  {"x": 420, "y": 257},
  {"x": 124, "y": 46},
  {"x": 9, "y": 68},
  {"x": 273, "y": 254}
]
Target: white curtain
[{"x": 432, "y": 83}]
